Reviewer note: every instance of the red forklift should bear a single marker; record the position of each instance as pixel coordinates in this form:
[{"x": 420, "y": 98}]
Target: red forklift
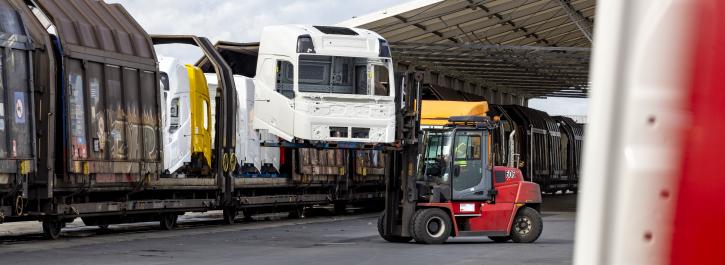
[{"x": 441, "y": 182}]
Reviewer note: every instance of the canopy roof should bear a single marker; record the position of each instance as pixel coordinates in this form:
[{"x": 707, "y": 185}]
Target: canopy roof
[{"x": 532, "y": 48}]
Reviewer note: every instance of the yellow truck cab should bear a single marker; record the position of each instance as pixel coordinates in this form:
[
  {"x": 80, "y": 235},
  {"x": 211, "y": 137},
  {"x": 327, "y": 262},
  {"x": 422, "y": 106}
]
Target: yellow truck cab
[{"x": 187, "y": 126}]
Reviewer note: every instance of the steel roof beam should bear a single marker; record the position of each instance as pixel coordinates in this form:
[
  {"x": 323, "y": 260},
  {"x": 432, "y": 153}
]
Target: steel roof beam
[
  {"x": 506, "y": 20},
  {"x": 562, "y": 88},
  {"x": 583, "y": 23},
  {"x": 454, "y": 20},
  {"x": 417, "y": 19},
  {"x": 500, "y": 58},
  {"x": 499, "y": 36},
  {"x": 534, "y": 81},
  {"x": 494, "y": 47},
  {"x": 522, "y": 70},
  {"x": 454, "y": 63},
  {"x": 483, "y": 55},
  {"x": 514, "y": 71},
  {"x": 513, "y": 21},
  {"x": 564, "y": 27},
  {"x": 555, "y": 93},
  {"x": 453, "y": 73}
]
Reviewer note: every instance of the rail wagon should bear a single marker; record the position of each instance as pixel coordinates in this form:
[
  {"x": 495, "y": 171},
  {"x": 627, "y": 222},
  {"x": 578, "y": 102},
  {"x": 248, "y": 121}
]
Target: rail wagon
[
  {"x": 18, "y": 153},
  {"x": 572, "y": 138},
  {"x": 541, "y": 146},
  {"x": 92, "y": 128}
]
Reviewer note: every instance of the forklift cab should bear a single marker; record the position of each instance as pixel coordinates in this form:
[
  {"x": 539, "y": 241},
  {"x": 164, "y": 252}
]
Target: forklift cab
[{"x": 455, "y": 163}]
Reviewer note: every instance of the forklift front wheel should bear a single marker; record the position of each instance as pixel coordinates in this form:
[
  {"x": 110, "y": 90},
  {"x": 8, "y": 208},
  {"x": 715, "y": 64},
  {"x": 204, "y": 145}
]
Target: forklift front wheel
[
  {"x": 431, "y": 226},
  {"x": 390, "y": 238},
  {"x": 527, "y": 226}
]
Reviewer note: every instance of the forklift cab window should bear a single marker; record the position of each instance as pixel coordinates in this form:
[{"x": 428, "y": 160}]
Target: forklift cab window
[
  {"x": 437, "y": 157},
  {"x": 471, "y": 177}
]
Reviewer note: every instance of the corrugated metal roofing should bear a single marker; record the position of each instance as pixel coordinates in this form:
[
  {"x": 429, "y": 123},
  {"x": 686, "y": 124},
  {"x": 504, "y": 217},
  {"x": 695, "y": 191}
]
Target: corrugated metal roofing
[
  {"x": 94, "y": 26},
  {"x": 527, "y": 47}
]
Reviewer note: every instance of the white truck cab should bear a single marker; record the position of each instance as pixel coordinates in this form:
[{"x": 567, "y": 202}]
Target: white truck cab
[{"x": 322, "y": 83}]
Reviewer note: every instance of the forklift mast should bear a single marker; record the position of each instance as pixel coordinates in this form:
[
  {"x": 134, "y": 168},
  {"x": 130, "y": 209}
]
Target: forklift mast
[{"x": 401, "y": 196}]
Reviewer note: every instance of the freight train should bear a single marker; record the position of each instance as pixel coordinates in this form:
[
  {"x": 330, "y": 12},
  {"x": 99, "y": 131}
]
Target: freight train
[{"x": 92, "y": 126}]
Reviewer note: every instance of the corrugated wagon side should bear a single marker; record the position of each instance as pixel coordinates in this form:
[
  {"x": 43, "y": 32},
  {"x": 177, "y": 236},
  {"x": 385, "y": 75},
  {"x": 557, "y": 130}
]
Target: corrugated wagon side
[
  {"x": 537, "y": 145},
  {"x": 99, "y": 152},
  {"x": 17, "y": 112}
]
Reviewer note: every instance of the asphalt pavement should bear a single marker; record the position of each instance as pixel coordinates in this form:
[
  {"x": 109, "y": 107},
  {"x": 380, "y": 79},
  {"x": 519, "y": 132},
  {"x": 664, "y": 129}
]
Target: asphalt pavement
[{"x": 202, "y": 239}]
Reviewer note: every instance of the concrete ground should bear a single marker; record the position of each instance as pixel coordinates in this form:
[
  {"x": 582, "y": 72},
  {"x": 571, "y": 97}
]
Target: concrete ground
[{"x": 349, "y": 239}]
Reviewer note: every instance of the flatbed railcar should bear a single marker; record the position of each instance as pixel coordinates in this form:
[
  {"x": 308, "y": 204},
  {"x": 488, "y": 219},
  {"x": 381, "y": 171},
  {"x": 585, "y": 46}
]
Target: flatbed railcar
[
  {"x": 354, "y": 162},
  {"x": 85, "y": 138}
]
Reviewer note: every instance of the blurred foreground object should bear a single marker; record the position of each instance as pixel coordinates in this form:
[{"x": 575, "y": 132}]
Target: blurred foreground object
[{"x": 650, "y": 175}]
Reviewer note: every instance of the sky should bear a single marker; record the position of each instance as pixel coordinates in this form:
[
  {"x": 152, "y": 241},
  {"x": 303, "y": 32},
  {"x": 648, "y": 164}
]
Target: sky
[
  {"x": 242, "y": 21},
  {"x": 561, "y": 106},
  {"x": 238, "y": 20}
]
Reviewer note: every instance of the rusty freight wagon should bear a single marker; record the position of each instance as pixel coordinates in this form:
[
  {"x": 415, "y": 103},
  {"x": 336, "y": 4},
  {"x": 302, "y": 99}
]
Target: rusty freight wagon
[
  {"x": 17, "y": 110},
  {"x": 83, "y": 139}
]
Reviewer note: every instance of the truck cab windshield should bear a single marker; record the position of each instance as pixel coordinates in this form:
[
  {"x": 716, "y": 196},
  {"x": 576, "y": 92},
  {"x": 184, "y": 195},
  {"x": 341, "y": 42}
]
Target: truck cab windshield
[{"x": 343, "y": 75}]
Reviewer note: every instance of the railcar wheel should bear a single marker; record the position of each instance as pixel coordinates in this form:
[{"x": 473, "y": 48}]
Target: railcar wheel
[
  {"x": 389, "y": 238},
  {"x": 51, "y": 228},
  {"x": 230, "y": 214},
  {"x": 297, "y": 212},
  {"x": 340, "y": 207},
  {"x": 168, "y": 221},
  {"x": 248, "y": 215},
  {"x": 431, "y": 226},
  {"x": 527, "y": 226}
]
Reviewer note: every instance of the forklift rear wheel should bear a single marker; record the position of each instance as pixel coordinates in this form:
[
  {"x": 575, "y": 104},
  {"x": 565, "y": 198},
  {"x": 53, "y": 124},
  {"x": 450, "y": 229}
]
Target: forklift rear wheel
[
  {"x": 168, "y": 221},
  {"x": 51, "y": 228},
  {"x": 389, "y": 238},
  {"x": 500, "y": 239},
  {"x": 431, "y": 226},
  {"x": 527, "y": 226}
]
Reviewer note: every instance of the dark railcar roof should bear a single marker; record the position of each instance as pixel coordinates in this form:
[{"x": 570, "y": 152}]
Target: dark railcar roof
[
  {"x": 95, "y": 28},
  {"x": 578, "y": 129}
]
